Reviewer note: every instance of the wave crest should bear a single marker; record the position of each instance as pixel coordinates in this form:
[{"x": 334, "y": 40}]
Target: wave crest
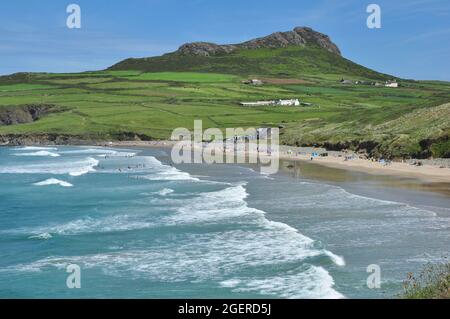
[
  {"x": 53, "y": 181},
  {"x": 38, "y": 153}
]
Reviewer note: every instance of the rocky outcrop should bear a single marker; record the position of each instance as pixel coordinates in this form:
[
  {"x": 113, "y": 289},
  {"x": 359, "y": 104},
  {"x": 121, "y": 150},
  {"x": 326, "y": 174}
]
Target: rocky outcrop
[
  {"x": 44, "y": 139},
  {"x": 300, "y": 36},
  {"x": 10, "y": 115},
  {"x": 205, "y": 49},
  {"x": 67, "y": 139}
]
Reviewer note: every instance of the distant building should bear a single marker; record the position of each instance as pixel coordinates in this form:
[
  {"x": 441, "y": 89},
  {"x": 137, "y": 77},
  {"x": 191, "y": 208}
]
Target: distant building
[
  {"x": 391, "y": 84},
  {"x": 253, "y": 82},
  {"x": 291, "y": 102}
]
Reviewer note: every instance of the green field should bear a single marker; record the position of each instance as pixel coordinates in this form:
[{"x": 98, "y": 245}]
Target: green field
[{"x": 156, "y": 95}]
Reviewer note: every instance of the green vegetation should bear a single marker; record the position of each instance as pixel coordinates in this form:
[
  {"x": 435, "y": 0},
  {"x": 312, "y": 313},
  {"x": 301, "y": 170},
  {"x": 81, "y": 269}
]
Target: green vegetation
[
  {"x": 23, "y": 87},
  {"x": 307, "y": 62},
  {"x": 148, "y": 98},
  {"x": 188, "y": 77},
  {"x": 433, "y": 282}
]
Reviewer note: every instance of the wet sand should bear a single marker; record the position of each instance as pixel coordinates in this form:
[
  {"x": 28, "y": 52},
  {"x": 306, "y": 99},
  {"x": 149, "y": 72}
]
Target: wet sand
[
  {"x": 427, "y": 173},
  {"x": 389, "y": 187}
]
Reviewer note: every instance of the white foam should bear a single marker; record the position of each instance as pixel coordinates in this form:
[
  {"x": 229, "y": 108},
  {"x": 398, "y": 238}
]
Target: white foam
[
  {"x": 165, "y": 191},
  {"x": 215, "y": 207},
  {"x": 36, "y": 148},
  {"x": 100, "y": 152},
  {"x": 89, "y": 151},
  {"x": 89, "y": 167},
  {"x": 231, "y": 283},
  {"x": 212, "y": 256},
  {"x": 43, "y": 236},
  {"x": 38, "y": 153},
  {"x": 229, "y": 205},
  {"x": 53, "y": 181},
  {"x": 81, "y": 172},
  {"x": 162, "y": 172},
  {"x": 94, "y": 225},
  {"x": 326, "y": 197},
  {"x": 117, "y": 154},
  {"x": 149, "y": 164},
  {"x": 171, "y": 174},
  {"x": 74, "y": 167},
  {"x": 338, "y": 260},
  {"x": 313, "y": 283}
]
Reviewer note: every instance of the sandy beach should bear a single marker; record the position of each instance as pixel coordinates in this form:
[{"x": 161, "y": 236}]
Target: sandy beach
[{"x": 426, "y": 172}]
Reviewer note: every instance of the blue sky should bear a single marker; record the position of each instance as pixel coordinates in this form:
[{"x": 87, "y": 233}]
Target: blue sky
[{"x": 414, "y": 41}]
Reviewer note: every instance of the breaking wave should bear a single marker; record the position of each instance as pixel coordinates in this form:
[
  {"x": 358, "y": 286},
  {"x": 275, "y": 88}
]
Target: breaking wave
[
  {"x": 254, "y": 241},
  {"x": 100, "y": 152},
  {"x": 43, "y": 236},
  {"x": 165, "y": 191},
  {"x": 38, "y": 153},
  {"x": 163, "y": 172},
  {"x": 36, "y": 148},
  {"x": 312, "y": 283},
  {"x": 53, "y": 181},
  {"x": 225, "y": 236},
  {"x": 74, "y": 168}
]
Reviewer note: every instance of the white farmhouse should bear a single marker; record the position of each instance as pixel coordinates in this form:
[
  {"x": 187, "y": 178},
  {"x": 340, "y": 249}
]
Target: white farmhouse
[
  {"x": 391, "y": 84},
  {"x": 292, "y": 102}
]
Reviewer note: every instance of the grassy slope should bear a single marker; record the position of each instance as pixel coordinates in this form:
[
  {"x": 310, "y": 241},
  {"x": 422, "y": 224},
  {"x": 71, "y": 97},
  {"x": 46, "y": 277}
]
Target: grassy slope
[
  {"x": 305, "y": 62},
  {"x": 129, "y": 99}
]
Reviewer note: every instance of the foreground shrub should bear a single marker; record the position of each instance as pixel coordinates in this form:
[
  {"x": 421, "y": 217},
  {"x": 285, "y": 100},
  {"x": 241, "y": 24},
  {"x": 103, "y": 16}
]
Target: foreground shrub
[{"x": 433, "y": 282}]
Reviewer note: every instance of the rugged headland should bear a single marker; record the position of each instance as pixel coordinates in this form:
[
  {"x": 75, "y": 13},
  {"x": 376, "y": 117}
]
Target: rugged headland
[{"x": 300, "y": 36}]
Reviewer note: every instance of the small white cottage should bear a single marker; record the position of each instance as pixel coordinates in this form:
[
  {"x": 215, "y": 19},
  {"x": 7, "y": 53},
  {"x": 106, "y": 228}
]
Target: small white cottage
[
  {"x": 391, "y": 84},
  {"x": 292, "y": 102}
]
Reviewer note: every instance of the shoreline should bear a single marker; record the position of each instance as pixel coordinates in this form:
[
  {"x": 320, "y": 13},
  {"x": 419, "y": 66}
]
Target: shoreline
[{"x": 426, "y": 173}]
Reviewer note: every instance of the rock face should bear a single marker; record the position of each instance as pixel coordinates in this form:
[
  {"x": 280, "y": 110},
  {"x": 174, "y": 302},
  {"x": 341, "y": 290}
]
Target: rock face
[
  {"x": 205, "y": 48},
  {"x": 43, "y": 139},
  {"x": 25, "y": 114},
  {"x": 300, "y": 36}
]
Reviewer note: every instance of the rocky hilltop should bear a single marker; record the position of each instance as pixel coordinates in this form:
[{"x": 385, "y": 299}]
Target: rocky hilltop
[{"x": 300, "y": 36}]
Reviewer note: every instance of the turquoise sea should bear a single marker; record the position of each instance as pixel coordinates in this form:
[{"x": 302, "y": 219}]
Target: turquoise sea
[{"x": 139, "y": 227}]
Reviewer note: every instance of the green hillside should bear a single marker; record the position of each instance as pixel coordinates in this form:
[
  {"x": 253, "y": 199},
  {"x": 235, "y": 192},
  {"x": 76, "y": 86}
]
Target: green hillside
[
  {"x": 147, "y": 98},
  {"x": 309, "y": 62}
]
